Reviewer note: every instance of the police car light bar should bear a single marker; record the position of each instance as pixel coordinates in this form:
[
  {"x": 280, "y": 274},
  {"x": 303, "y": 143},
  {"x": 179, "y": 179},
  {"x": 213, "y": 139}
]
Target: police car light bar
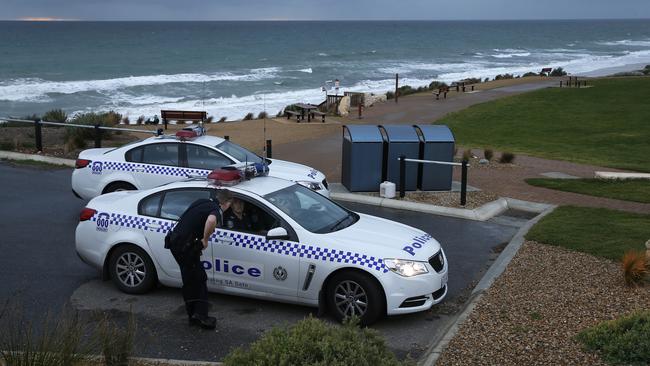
[
  {"x": 225, "y": 177},
  {"x": 186, "y": 135}
]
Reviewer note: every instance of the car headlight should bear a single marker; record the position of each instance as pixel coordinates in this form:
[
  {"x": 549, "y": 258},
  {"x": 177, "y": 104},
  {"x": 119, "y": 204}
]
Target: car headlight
[
  {"x": 406, "y": 268},
  {"x": 314, "y": 186}
]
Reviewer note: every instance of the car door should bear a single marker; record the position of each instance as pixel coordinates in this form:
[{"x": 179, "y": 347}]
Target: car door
[
  {"x": 161, "y": 211},
  {"x": 201, "y": 160},
  {"x": 155, "y": 164},
  {"x": 246, "y": 259}
]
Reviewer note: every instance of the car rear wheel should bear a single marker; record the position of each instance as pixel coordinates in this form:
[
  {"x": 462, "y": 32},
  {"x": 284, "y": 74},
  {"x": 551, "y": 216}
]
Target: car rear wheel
[
  {"x": 131, "y": 269},
  {"x": 352, "y": 293},
  {"x": 118, "y": 186}
]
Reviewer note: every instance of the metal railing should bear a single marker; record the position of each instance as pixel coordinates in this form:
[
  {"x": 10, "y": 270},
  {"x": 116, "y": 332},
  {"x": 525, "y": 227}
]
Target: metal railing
[
  {"x": 38, "y": 134},
  {"x": 402, "y": 175}
]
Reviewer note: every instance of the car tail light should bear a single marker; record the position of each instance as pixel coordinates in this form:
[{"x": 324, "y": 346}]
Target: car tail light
[
  {"x": 87, "y": 214},
  {"x": 81, "y": 163}
]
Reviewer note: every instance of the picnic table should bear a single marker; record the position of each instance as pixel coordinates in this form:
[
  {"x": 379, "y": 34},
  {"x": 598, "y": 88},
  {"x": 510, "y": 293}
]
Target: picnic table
[{"x": 306, "y": 109}]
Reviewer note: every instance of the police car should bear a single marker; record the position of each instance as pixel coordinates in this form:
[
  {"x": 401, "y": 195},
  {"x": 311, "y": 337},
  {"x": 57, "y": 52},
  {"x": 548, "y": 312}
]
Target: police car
[
  {"x": 303, "y": 248},
  {"x": 164, "y": 159}
]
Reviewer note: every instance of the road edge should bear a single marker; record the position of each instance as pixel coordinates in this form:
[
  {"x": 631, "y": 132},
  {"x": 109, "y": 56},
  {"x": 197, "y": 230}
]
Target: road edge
[
  {"x": 496, "y": 269},
  {"x": 10, "y": 155}
]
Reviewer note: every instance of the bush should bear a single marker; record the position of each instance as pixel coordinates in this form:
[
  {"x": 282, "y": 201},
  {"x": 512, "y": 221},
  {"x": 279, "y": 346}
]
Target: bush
[
  {"x": 116, "y": 343},
  {"x": 507, "y": 158},
  {"x": 262, "y": 115},
  {"x": 467, "y": 155},
  {"x": 488, "y": 154},
  {"x": 222, "y": 119},
  {"x": 126, "y": 120},
  {"x": 249, "y": 116},
  {"x": 390, "y": 95},
  {"x": 486, "y": 80},
  {"x": 504, "y": 77},
  {"x": 646, "y": 70},
  {"x": 55, "y": 115},
  {"x": 471, "y": 81},
  {"x": 437, "y": 85},
  {"x": 314, "y": 342},
  {"x": 108, "y": 119},
  {"x": 529, "y": 74},
  {"x": 558, "y": 72},
  {"x": 209, "y": 119},
  {"x": 635, "y": 267},
  {"x": 140, "y": 120},
  {"x": 622, "y": 341}
]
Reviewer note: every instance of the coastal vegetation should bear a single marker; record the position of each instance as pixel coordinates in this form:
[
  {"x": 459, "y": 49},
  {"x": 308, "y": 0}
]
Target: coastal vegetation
[
  {"x": 604, "y": 125},
  {"x": 636, "y": 190},
  {"x": 597, "y": 231}
]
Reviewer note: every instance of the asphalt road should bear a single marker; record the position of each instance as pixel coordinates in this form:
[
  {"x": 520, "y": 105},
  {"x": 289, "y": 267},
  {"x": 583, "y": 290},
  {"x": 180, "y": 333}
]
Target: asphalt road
[{"x": 40, "y": 271}]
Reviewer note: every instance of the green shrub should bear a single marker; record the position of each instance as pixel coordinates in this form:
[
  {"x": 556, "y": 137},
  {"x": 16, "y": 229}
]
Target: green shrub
[
  {"x": 116, "y": 342},
  {"x": 488, "y": 154},
  {"x": 529, "y": 74},
  {"x": 262, "y": 115},
  {"x": 471, "y": 81},
  {"x": 507, "y": 158},
  {"x": 622, "y": 341},
  {"x": 646, "y": 70},
  {"x": 55, "y": 115},
  {"x": 222, "y": 119},
  {"x": 486, "y": 80},
  {"x": 314, "y": 342},
  {"x": 108, "y": 119},
  {"x": 467, "y": 155},
  {"x": 249, "y": 116},
  {"x": 390, "y": 95},
  {"x": 209, "y": 119},
  {"x": 504, "y": 77},
  {"x": 437, "y": 85},
  {"x": 126, "y": 120},
  {"x": 140, "y": 120},
  {"x": 558, "y": 72}
]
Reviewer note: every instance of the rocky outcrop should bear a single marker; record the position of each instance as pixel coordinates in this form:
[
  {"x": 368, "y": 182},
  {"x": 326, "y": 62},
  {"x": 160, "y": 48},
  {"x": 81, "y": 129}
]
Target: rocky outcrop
[
  {"x": 370, "y": 99},
  {"x": 344, "y": 106}
]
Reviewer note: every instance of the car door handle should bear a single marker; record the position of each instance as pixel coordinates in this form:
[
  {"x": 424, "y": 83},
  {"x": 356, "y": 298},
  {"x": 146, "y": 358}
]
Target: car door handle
[
  {"x": 154, "y": 226},
  {"x": 138, "y": 170},
  {"x": 226, "y": 240}
]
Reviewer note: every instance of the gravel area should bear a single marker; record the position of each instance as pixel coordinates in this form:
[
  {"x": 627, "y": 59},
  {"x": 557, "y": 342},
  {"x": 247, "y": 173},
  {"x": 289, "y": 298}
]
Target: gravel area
[
  {"x": 447, "y": 199},
  {"x": 533, "y": 311}
]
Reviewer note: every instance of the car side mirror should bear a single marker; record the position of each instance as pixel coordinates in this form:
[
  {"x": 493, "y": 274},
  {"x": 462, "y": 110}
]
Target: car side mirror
[{"x": 277, "y": 233}]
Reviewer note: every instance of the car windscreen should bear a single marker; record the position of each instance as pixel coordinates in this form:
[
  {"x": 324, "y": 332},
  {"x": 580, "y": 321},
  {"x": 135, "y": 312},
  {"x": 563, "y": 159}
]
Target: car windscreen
[
  {"x": 239, "y": 152},
  {"x": 311, "y": 210}
]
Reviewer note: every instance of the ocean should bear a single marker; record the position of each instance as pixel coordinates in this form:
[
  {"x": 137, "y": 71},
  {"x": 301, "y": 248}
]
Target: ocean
[{"x": 232, "y": 68}]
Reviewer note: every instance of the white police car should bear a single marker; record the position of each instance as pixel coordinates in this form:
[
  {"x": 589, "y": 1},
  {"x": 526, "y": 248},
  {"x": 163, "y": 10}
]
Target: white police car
[
  {"x": 164, "y": 159},
  {"x": 303, "y": 249}
]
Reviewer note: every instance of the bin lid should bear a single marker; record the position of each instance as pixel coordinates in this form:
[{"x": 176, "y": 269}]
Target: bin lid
[
  {"x": 435, "y": 133},
  {"x": 363, "y": 133},
  {"x": 401, "y": 133}
]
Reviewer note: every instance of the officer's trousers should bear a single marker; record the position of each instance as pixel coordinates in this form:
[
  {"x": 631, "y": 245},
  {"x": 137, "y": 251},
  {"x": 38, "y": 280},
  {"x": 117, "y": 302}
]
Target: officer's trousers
[{"x": 195, "y": 289}]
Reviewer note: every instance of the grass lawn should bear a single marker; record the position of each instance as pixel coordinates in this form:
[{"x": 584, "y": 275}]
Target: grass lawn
[
  {"x": 636, "y": 190},
  {"x": 604, "y": 125},
  {"x": 597, "y": 231},
  {"x": 34, "y": 164}
]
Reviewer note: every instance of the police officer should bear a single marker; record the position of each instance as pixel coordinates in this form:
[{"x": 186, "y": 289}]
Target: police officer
[
  {"x": 237, "y": 217},
  {"x": 186, "y": 241}
]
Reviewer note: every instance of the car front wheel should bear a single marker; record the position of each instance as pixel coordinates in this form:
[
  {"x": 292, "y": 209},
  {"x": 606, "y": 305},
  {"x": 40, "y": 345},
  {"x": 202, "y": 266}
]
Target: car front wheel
[
  {"x": 352, "y": 293},
  {"x": 131, "y": 269}
]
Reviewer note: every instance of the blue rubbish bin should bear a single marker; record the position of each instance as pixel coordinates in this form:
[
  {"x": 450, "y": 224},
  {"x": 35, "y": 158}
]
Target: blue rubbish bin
[
  {"x": 361, "y": 163},
  {"x": 436, "y": 143},
  {"x": 402, "y": 140}
]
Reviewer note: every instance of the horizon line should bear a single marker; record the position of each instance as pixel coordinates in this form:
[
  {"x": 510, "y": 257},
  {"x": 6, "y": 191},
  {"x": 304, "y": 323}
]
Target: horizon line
[{"x": 54, "y": 19}]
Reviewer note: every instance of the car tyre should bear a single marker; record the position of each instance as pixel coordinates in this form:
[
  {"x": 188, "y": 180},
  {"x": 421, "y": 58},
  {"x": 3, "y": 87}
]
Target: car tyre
[
  {"x": 354, "y": 293},
  {"x": 132, "y": 270},
  {"x": 118, "y": 186}
]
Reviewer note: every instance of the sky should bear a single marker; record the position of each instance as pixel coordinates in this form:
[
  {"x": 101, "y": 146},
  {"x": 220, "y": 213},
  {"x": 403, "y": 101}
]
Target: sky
[{"x": 323, "y": 9}]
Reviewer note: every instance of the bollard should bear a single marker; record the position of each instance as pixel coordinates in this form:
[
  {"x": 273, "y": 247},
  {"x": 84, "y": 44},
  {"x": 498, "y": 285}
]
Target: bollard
[
  {"x": 360, "y": 110},
  {"x": 38, "y": 135},
  {"x": 98, "y": 137},
  {"x": 463, "y": 184},
  {"x": 269, "y": 149},
  {"x": 227, "y": 138},
  {"x": 402, "y": 176},
  {"x": 560, "y": 83},
  {"x": 165, "y": 122}
]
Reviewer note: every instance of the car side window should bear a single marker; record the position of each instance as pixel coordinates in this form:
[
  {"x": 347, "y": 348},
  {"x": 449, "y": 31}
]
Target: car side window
[
  {"x": 160, "y": 154},
  {"x": 201, "y": 157},
  {"x": 247, "y": 216},
  {"x": 175, "y": 202},
  {"x": 134, "y": 155},
  {"x": 149, "y": 205}
]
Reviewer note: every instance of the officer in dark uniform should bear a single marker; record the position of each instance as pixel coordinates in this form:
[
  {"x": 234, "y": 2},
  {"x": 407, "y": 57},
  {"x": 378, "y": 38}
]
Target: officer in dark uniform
[
  {"x": 237, "y": 217},
  {"x": 186, "y": 241}
]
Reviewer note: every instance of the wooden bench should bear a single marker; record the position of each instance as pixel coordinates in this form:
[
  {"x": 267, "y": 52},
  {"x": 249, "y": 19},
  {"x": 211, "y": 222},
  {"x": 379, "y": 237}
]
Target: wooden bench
[
  {"x": 442, "y": 91},
  {"x": 292, "y": 113},
  {"x": 182, "y": 116},
  {"x": 318, "y": 113},
  {"x": 546, "y": 71}
]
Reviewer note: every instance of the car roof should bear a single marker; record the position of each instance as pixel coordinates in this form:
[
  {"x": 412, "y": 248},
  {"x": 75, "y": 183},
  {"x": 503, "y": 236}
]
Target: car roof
[
  {"x": 205, "y": 140},
  {"x": 260, "y": 185}
]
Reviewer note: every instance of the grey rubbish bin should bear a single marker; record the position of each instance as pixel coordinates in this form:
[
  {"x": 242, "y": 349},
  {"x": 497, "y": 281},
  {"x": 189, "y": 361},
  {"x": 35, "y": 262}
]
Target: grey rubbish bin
[
  {"x": 361, "y": 163},
  {"x": 436, "y": 143},
  {"x": 402, "y": 140}
]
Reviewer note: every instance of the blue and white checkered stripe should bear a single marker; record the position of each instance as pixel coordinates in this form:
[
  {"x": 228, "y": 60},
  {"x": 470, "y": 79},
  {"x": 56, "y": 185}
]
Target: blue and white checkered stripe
[
  {"x": 152, "y": 169},
  {"x": 255, "y": 242}
]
